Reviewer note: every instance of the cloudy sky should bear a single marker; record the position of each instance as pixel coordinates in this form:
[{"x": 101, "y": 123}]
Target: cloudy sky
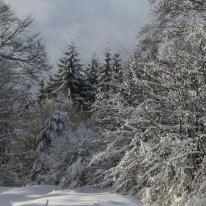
[{"x": 91, "y": 24}]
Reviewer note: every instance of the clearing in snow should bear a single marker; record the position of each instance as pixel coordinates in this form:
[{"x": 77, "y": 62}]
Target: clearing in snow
[{"x": 51, "y": 196}]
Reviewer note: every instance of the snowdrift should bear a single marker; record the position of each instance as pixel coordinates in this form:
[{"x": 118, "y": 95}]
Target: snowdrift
[{"x": 43, "y": 195}]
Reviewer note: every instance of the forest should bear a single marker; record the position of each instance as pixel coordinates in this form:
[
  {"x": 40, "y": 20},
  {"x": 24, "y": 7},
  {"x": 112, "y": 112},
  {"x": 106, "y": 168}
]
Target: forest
[{"x": 133, "y": 126}]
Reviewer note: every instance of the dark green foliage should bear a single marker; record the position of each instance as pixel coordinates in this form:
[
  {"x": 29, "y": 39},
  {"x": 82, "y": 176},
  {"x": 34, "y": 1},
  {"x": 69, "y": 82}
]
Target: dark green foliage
[
  {"x": 42, "y": 92},
  {"x": 69, "y": 80},
  {"x": 105, "y": 77},
  {"x": 91, "y": 79},
  {"x": 117, "y": 77}
]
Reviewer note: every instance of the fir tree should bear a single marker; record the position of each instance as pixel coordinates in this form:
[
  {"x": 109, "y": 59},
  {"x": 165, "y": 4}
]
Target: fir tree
[
  {"x": 69, "y": 81},
  {"x": 168, "y": 151},
  {"x": 105, "y": 77},
  {"x": 91, "y": 78},
  {"x": 107, "y": 106},
  {"x": 117, "y": 63},
  {"x": 117, "y": 77},
  {"x": 42, "y": 92}
]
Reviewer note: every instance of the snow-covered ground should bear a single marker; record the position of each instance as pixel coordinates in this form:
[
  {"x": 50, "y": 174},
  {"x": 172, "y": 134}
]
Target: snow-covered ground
[{"x": 51, "y": 196}]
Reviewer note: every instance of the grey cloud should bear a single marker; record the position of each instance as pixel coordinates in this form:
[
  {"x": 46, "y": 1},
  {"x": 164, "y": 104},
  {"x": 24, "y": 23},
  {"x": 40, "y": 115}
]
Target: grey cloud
[{"x": 91, "y": 24}]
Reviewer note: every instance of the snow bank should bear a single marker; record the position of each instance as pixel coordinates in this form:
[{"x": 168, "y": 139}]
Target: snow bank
[{"x": 40, "y": 195}]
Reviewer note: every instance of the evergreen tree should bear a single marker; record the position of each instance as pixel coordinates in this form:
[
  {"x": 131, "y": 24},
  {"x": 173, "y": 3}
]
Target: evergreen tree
[
  {"x": 117, "y": 77},
  {"x": 42, "y": 92},
  {"x": 117, "y": 65},
  {"x": 69, "y": 80},
  {"x": 91, "y": 78},
  {"x": 52, "y": 86},
  {"x": 108, "y": 104},
  {"x": 105, "y": 77}
]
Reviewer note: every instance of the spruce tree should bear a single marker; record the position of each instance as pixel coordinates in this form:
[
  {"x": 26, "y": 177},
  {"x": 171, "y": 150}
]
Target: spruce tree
[
  {"x": 91, "y": 79},
  {"x": 42, "y": 92},
  {"x": 49, "y": 87},
  {"x": 69, "y": 80},
  {"x": 105, "y": 77},
  {"x": 117, "y": 63},
  {"x": 107, "y": 108},
  {"x": 117, "y": 77}
]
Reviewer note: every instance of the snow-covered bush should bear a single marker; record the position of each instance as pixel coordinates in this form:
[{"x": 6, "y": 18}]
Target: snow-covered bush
[{"x": 63, "y": 151}]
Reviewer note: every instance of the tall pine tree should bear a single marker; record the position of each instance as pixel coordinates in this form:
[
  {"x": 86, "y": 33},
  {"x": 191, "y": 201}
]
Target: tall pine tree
[
  {"x": 42, "y": 92},
  {"x": 105, "y": 77},
  {"x": 91, "y": 79},
  {"x": 117, "y": 77},
  {"x": 117, "y": 63},
  {"x": 69, "y": 80}
]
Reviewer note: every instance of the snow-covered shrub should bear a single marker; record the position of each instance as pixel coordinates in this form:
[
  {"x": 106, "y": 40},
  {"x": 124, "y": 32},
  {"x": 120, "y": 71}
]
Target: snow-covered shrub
[{"x": 63, "y": 152}]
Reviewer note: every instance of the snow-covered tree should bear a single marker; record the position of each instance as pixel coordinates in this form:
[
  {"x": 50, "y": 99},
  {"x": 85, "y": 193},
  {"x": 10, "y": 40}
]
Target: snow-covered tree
[
  {"x": 22, "y": 61},
  {"x": 104, "y": 91},
  {"x": 42, "y": 92},
  {"x": 110, "y": 114},
  {"x": 117, "y": 67},
  {"x": 64, "y": 151},
  {"x": 19, "y": 46},
  {"x": 169, "y": 147},
  {"x": 69, "y": 80}
]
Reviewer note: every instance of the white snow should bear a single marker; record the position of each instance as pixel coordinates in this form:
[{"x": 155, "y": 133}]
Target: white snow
[{"x": 43, "y": 195}]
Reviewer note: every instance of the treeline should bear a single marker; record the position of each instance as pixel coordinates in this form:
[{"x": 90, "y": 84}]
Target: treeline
[{"x": 80, "y": 84}]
